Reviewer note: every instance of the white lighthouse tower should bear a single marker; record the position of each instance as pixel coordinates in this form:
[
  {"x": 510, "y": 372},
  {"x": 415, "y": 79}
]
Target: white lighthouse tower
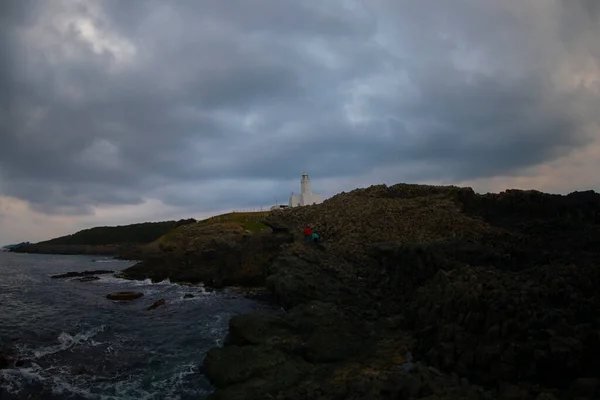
[
  {"x": 306, "y": 196},
  {"x": 305, "y": 184}
]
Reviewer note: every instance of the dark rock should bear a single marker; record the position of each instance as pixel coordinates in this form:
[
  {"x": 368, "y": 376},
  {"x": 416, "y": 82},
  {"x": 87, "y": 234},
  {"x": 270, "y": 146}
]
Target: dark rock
[
  {"x": 545, "y": 396},
  {"x": 217, "y": 283},
  {"x": 513, "y": 392},
  {"x": 481, "y": 289},
  {"x": 83, "y": 274},
  {"x": 330, "y": 345},
  {"x": 586, "y": 387},
  {"x": 21, "y": 363},
  {"x": 295, "y": 281},
  {"x": 5, "y": 361},
  {"x": 234, "y": 364},
  {"x": 124, "y": 295},
  {"x": 224, "y": 259},
  {"x": 263, "y": 382},
  {"x": 256, "y": 328},
  {"x": 157, "y": 303},
  {"x": 188, "y": 296}
]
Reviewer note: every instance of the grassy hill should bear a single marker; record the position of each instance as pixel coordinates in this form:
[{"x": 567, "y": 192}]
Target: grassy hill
[
  {"x": 189, "y": 235},
  {"x": 104, "y": 239},
  {"x": 135, "y": 241},
  {"x": 248, "y": 221},
  {"x": 145, "y": 232}
]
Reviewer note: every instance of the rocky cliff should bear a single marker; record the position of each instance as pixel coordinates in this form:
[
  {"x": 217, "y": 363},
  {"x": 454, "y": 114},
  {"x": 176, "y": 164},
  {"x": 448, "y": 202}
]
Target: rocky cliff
[
  {"x": 416, "y": 292},
  {"x": 217, "y": 254}
]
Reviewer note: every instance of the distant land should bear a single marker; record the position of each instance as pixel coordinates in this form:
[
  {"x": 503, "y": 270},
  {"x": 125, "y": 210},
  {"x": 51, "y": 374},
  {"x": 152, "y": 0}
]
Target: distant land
[
  {"x": 104, "y": 240},
  {"x": 8, "y": 247}
]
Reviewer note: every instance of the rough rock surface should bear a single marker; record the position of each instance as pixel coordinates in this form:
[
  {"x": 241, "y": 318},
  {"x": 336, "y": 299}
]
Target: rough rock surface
[
  {"x": 218, "y": 255},
  {"x": 124, "y": 295},
  {"x": 495, "y": 296},
  {"x": 156, "y": 304},
  {"x": 83, "y": 274}
]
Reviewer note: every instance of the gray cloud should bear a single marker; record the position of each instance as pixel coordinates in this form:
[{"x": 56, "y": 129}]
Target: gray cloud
[{"x": 213, "y": 104}]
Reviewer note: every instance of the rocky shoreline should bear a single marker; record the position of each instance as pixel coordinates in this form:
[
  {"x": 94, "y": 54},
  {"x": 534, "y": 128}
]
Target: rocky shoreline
[{"x": 417, "y": 292}]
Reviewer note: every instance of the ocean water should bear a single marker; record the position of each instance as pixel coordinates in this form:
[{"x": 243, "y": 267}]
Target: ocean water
[{"x": 79, "y": 345}]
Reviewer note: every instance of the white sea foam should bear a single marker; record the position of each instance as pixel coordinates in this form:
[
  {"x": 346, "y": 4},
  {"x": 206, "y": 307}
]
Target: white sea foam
[
  {"x": 164, "y": 288},
  {"x": 66, "y": 341},
  {"x": 13, "y": 380},
  {"x": 176, "y": 382},
  {"x": 145, "y": 282},
  {"x": 16, "y": 380}
]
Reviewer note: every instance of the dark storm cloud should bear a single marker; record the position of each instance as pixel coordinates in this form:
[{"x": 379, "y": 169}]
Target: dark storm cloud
[{"x": 201, "y": 103}]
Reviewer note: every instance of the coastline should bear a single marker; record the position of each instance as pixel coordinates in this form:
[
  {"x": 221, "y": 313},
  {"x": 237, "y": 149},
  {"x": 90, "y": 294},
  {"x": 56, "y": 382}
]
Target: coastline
[{"x": 417, "y": 291}]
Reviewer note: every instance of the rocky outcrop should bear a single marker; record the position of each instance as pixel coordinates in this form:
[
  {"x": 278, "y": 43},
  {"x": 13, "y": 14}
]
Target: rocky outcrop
[
  {"x": 156, "y": 304},
  {"x": 215, "y": 255},
  {"x": 124, "y": 295},
  {"x": 8, "y": 360},
  {"x": 494, "y": 296},
  {"x": 83, "y": 274},
  {"x": 5, "y": 361}
]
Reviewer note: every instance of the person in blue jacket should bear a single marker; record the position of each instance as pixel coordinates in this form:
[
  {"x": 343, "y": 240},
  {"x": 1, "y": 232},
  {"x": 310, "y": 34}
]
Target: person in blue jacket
[{"x": 315, "y": 237}]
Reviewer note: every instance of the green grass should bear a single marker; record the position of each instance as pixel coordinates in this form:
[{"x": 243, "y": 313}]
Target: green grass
[{"x": 251, "y": 221}]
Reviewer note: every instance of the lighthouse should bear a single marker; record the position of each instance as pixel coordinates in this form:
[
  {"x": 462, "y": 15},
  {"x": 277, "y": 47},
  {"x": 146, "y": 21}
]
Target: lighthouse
[
  {"x": 306, "y": 196},
  {"x": 305, "y": 184}
]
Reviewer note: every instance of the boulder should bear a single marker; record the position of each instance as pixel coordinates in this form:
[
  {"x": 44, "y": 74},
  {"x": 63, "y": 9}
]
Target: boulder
[
  {"x": 157, "y": 303},
  {"x": 5, "y": 361},
  {"x": 124, "y": 295}
]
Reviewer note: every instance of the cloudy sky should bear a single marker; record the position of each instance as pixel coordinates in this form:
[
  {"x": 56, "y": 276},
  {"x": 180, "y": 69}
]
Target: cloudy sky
[{"x": 116, "y": 111}]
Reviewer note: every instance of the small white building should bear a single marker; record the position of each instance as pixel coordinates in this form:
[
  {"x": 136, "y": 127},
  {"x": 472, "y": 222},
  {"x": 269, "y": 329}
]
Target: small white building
[{"x": 306, "y": 196}]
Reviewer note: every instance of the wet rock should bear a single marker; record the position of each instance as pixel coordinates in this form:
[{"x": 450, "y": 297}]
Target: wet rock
[
  {"x": 8, "y": 360},
  {"x": 21, "y": 363},
  {"x": 82, "y": 274},
  {"x": 124, "y": 295},
  {"x": 188, "y": 296},
  {"x": 5, "y": 361},
  {"x": 157, "y": 303}
]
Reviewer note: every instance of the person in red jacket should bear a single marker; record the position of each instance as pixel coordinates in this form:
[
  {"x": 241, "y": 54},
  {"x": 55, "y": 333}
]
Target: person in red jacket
[{"x": 307, "y": 234}]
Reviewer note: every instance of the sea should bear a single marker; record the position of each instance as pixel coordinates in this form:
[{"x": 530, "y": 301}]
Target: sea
[{"x": 75, "y": 343}]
